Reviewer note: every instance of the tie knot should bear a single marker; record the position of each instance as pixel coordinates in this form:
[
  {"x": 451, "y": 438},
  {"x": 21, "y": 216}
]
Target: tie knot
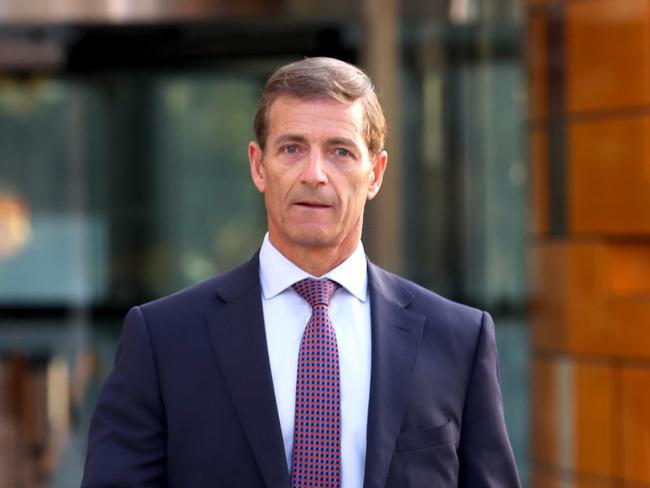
[{"x": 316, "y": 292}]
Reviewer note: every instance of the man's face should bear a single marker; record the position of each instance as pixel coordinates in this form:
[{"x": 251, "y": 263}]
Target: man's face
[{"x": 315, "y": 173}]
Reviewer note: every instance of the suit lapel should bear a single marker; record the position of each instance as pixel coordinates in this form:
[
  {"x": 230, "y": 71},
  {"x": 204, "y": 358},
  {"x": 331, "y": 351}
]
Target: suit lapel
[
  {"x": 238, "y": 335},
  {"x": 396, "y": 334}
]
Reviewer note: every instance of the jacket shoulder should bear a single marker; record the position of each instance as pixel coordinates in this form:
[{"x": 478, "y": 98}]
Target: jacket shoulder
[
  {"x": 204, "y": 293},
  {"x": 425, "y": 301}
]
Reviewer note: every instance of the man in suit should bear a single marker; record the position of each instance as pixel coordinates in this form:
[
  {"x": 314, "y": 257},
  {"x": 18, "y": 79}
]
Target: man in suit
[{"x": 308, "y": 365}]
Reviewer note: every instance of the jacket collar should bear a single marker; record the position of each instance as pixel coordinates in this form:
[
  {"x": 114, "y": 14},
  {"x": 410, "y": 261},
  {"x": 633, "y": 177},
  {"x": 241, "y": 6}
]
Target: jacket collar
[
  {"x": 236, "y": 326},
  {"x": 237, "y": 330},
  {"x": 396, "y": 335}
]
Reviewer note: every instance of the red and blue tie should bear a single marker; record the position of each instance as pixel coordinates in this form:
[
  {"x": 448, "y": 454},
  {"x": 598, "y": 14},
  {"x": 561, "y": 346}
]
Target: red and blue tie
[{"x": 317, "y": 428}]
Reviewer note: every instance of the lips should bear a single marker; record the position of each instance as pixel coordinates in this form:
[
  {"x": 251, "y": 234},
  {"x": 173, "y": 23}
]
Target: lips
[{"x": 311, "y": 204}]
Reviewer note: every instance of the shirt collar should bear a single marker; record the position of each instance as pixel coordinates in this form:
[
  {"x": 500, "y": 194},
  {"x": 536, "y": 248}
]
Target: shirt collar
[{"x": 277, "y": 273}]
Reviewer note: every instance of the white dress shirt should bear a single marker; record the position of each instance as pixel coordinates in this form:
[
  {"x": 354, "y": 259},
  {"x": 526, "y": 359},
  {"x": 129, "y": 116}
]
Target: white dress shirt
[{"x": 285, "y": 316}]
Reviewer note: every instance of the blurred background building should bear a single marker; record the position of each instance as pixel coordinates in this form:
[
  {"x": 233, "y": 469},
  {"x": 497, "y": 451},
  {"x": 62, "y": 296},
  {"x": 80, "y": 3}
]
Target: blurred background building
[
  {"x": 589, "y": 64},
  {"x": 517, "y": 183}
]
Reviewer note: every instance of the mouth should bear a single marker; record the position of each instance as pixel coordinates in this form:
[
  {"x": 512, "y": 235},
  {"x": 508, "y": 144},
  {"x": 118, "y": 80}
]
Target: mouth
[{"x": 311, "y": 204}]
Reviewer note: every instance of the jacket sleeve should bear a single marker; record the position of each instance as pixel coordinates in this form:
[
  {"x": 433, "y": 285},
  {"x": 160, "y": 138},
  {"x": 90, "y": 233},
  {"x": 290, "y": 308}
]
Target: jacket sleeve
[
  {"x": 126, "y": 441},
  {"x": 485, "y": 455}
]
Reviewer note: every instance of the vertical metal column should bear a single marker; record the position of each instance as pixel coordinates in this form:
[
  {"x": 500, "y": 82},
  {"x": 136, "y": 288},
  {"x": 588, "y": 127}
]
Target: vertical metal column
[{"x": 380, "y": 57}]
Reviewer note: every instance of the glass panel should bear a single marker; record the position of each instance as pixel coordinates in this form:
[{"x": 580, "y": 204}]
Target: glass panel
[
  {"x": 119, "y": 187},
  {"x": 114, "y": 189},
  {"x": 208, "y": 211},
  {"x": 124, "y": 188},
  {"x": 466, "y": 208},
  {"x": 54, "y": 249}
]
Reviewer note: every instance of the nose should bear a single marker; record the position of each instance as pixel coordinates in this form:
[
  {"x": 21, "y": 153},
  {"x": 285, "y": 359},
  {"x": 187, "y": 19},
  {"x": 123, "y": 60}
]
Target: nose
[{"x": 313, "y": 172}]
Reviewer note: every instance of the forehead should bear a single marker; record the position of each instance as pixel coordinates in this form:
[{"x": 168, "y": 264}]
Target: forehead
[{"x": 315, "y": 117}]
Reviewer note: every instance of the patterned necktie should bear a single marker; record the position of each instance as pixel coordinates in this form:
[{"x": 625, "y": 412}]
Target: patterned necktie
[{"x": 317, "y": 429}]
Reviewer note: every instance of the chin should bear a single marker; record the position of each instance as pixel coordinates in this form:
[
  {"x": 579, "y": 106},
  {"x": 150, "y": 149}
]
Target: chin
[{"x": 313, "y": 237}]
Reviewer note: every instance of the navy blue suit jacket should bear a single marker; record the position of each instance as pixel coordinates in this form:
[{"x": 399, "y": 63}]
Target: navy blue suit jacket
[{"x": 190, "y": 402}]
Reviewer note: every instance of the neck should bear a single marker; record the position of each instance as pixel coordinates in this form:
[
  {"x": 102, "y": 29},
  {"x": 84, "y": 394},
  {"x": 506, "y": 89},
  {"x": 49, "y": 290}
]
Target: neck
[{"x": 316, "y": 260}]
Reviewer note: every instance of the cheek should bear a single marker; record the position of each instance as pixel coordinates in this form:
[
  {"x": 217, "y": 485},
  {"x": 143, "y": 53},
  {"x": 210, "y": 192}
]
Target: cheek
[
  {"x": 272, "y": 183},
  {"x": 359, "y": 188},
  {"x": 356, "y": 196},
  {"x": 276, "y": 191}
]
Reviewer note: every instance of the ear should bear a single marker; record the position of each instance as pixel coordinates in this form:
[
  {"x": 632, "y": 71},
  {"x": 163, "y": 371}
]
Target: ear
[
  {"x": 258, "y": 174},
  {"x": 377, "y": 174}
]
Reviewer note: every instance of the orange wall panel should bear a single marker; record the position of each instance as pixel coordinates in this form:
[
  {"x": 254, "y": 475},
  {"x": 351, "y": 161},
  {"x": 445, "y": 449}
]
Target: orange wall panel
[
  {"x": 538, "y": 67},
  {"x": 540, "y": 188},
  {"x": 636, "y": 424},
  {"x": 628, "y": 328},
  {"x": 574, "y": 425},
  {"x": 544, "y": 410},
  {"x": 549, "y": 306},
  {"x": 582, "y": 483},
  {"x": 590, "y": 307},
  {"x": 599, "y": 321},
  {"x": 577, "y": 305},
  {"x": 567, "y": 294},
  {"x": 545, "y": 479},
  {"x": 594, "y": 419},
  {"x": 587, "y": 330},
  {"x": 607, "y": 54},
  {"x": 609, "y": 177},
  {"x": 629, "y": 270},
  {"x": 585, "y": 321},
  {"x": 541, "y": 479}
]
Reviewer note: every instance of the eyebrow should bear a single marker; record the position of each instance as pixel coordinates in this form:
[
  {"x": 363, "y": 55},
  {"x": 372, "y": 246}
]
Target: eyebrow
[
  {"x": 334, "y": 141},
  {"x": 290, "y": 138},
  {"x": 342, "y": 141}
]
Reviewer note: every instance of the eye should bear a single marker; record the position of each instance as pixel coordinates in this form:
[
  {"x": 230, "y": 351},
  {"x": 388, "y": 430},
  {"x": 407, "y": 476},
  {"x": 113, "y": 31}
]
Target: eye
[
  {"x": 291, "y": 148},
  {"x": 342, "y": 152}
]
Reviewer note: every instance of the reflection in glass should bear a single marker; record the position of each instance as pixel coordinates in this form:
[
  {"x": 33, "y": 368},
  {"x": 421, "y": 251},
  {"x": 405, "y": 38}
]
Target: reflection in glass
[
  {"x": 114, "y": 190},
  {"x": 15, "y": 226}
]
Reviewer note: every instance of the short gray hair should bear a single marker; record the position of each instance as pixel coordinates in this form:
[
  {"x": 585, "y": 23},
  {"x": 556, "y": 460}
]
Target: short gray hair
[{"x": 315, "y": 78}]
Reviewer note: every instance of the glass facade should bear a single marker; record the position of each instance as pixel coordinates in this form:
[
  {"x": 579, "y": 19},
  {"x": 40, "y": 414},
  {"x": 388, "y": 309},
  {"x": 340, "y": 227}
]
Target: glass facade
[
  {"x": 121, "y": 188},
  {"x": 131, "y": 186},
  {"x": 120, "y": 184},
  {"x": 467, "y": 184}
]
